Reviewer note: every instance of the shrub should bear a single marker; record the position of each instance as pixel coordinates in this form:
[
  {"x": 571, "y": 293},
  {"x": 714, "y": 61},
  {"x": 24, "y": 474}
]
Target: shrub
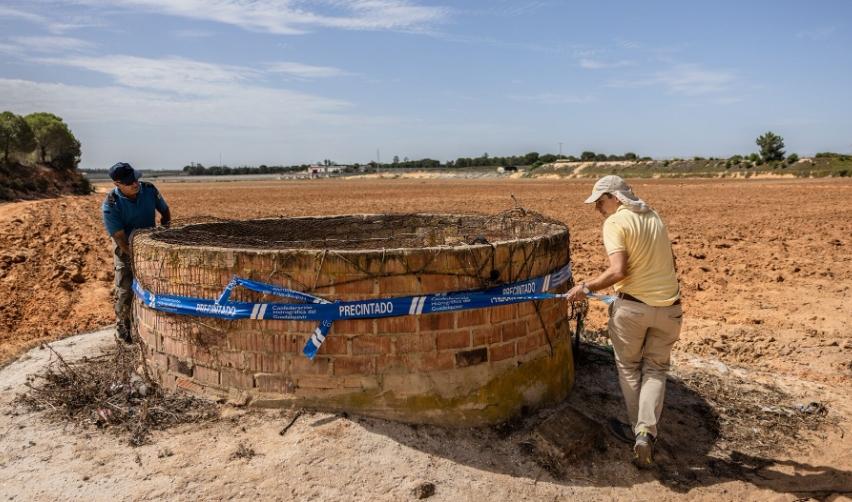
[
  {"x": 83, "y": 187},
  {"x": 792, "y": 158}
]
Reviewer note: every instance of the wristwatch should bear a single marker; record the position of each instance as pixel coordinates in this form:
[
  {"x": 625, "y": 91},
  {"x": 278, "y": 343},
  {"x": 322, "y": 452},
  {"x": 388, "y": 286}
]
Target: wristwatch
[{"x": 586, "y": 290}]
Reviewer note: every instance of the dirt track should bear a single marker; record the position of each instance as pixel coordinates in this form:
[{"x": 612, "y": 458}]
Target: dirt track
[{"x": 765, "y": 267}]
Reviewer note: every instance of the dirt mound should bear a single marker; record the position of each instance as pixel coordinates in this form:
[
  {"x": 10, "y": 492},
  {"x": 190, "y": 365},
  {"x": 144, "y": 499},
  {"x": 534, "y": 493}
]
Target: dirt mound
[
  {"x": 24, "y": 182},
  {"x": 56, "y": 271}
]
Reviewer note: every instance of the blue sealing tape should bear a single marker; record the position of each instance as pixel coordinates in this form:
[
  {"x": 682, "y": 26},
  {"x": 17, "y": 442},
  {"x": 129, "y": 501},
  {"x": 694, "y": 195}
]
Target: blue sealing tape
[{"x": 325, "y": 311}]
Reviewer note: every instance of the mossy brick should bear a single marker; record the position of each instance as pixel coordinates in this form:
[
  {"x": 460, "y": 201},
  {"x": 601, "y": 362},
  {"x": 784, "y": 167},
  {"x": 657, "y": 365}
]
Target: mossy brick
[
  {"x": 232, "y": 359},
  {"x": 318, "y": 382},
  {"x": 301, "y": 365},
  {"x": 354, "y": 365},
  {"x": 234, "y": 378},
  {"x": 501, "y": 351},
  {"x": 206, "y": 375},
  {"x": 360, "y": 382},
  {"x": 530, "y": 343},
  {"x": 392, "y": 363},
  {"x": 432, "y": 361},
  {"x": 277, "y": 383}
]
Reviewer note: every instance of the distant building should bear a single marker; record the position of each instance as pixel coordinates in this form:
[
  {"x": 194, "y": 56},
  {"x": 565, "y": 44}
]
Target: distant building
[{"x": 320, "y": 170}]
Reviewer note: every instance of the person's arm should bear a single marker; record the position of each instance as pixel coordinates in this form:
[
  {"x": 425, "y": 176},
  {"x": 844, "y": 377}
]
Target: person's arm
[
  {"x": 162, "y": 207},
  {"x": 120, "y": 238},
  {"x": 616, "y": 271},
  {"x": 165, "y": 217}
]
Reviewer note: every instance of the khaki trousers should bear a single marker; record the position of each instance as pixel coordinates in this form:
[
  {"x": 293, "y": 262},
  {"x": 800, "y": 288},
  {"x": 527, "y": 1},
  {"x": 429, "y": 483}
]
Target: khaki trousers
[{"x": 642, "y": 338}]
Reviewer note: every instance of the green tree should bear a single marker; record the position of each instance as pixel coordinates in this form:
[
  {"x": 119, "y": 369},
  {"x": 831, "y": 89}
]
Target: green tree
[
  {"x": 771, "y": 146},
  {"x": 630, "y": 156},
  {"x": 57, "y": 145},
  {"x": 530, "y": 158},
  {"x": 587, "y": 156},
  {"x": 15, "y": 135}
]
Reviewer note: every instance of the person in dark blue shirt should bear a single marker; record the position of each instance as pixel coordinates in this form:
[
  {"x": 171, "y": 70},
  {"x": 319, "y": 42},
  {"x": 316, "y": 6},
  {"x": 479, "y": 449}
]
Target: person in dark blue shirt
[{"x": 130, "y": 206}]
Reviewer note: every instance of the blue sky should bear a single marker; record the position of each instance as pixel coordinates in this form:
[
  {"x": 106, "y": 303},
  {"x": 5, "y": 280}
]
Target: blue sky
[{"x": 161, "y": 83}]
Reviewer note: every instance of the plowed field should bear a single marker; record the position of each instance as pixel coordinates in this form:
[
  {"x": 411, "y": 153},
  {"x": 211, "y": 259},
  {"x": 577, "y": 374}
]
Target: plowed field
[{"x": 765, "y": 267}]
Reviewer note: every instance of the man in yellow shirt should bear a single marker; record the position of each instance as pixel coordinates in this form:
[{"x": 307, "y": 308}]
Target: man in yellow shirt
[{"x": 645, "y": 319}]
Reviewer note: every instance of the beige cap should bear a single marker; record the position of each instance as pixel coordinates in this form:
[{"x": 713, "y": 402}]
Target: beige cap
[{"x": 608, "y": 184}]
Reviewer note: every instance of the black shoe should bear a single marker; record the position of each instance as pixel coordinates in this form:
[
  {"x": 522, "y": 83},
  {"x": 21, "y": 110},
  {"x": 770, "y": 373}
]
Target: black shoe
[
  {"x": 124, "y": 335},
  {"x": 643, "y": 450},
  {"x": 620, "y": 431}
]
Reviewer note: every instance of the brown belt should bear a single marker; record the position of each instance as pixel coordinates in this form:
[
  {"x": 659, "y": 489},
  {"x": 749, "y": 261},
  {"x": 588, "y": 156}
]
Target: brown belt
[{"x": 625, "y": 296}]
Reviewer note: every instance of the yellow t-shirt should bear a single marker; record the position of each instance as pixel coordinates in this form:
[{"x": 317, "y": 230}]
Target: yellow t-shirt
[{"x": 651, "y": 275}]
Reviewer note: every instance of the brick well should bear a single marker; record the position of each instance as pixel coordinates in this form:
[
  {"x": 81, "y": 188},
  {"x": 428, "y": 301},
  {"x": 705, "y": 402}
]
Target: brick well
[{"x": 462, "y": 368}]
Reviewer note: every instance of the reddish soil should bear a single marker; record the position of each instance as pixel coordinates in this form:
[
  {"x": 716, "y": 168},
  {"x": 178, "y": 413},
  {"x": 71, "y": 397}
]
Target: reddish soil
[
  {"x": 765, "y": 267},
  {"x": 765, "y": 264}
]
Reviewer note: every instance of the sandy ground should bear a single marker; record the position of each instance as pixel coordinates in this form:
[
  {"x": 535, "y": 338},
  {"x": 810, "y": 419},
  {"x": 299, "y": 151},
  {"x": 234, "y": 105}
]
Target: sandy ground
[
  {"x": 765, "y": 267},
  {"x": 332, "y": 457}
]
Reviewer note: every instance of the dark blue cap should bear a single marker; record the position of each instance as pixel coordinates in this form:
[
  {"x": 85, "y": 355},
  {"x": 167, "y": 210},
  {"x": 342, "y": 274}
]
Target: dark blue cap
[{"x": 124, "y": 173}]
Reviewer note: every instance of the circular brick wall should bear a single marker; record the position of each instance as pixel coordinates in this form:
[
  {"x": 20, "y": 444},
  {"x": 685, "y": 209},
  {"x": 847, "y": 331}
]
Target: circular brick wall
[{"x": 462, "y": 368}]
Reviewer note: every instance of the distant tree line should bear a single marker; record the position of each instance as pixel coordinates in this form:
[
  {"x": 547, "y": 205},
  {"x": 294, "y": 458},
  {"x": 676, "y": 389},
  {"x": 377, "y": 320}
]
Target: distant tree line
[
  {"x": 771, "y": 152},
  {"x": 485, "y": 160},
  {"x": 200, "y": 170},
  {"x": 40, "y": 137}
]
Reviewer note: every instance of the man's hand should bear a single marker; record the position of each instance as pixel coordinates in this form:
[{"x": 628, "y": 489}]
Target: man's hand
[
  {"x": 166, "y": 218},
  {"x": 576, "y": 294},
  {"x": 120, "y": 238}
]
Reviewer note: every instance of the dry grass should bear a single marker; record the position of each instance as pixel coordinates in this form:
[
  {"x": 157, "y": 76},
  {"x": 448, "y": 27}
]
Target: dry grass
[
  {"x": 112, "y": 391},
  {"x": 758, "y": 418}
]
